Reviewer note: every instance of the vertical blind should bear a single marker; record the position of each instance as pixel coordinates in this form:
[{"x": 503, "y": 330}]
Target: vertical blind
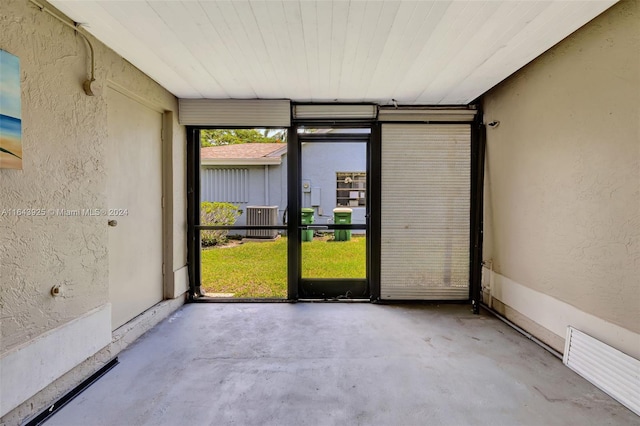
[
  {"x": 225, "y": 185},
  {"x": 425, "y": 211}
]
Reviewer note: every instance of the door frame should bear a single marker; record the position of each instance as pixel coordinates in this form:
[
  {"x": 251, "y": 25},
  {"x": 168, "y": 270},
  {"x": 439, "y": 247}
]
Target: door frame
[
  {"x": 374, "y": 186},
  {"x": 194, "y": 227},
  {"x": 331, "y": 288},
  {"x": 165, "y": 283},
  {"x": 476, "y": 194}
]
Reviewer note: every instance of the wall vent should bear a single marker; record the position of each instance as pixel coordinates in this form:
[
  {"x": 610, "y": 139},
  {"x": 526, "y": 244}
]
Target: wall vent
[
  {"x": 614, "y": 372},
  {"x": 262, "y": 216}
]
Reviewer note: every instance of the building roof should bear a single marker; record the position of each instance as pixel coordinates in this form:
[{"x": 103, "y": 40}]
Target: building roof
[{"x": 243, "y": 154}]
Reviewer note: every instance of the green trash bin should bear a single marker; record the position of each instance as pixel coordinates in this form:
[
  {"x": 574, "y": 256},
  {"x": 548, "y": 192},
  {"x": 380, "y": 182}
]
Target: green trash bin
[
  {"x": 307, "y": 219},
  {"x": 342, "y": 216}
]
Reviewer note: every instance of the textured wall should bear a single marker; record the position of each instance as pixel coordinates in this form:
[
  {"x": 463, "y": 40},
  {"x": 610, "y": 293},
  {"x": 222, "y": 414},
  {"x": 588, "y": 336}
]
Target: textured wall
[
  {"x": 563, "y": 170},
  {"x": 64, "y": 136}
]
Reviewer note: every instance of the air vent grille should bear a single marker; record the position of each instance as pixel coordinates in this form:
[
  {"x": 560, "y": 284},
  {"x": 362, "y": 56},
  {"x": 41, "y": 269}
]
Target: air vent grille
[
  {"x": 262, "y": 216},
  {"x": 614, "y": 372}
]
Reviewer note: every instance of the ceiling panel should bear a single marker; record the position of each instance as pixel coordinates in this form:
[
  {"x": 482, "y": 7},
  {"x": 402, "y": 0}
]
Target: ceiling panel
[{"x": 417, "y": 52}]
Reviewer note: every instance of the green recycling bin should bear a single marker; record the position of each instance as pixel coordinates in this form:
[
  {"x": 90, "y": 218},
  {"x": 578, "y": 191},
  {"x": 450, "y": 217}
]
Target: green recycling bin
[
  {"x": 342, "y": 216},
  {"x": 307, "y": 219}
]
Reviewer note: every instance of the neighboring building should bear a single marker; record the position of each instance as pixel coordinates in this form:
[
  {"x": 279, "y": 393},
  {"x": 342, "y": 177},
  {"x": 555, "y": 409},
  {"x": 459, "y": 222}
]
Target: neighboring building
[
  {"x": 250, "y": 174},
  {"x": 255, "y": 174},
  {"x": 334, "y": 175}
]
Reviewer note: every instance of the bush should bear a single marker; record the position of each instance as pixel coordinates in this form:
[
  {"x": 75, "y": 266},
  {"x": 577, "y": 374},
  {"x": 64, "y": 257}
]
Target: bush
[{"x": 217, "y": 214}]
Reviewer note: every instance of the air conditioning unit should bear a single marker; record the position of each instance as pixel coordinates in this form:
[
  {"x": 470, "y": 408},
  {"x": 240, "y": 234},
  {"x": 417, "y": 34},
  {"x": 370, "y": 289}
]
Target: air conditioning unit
[{"x": 262, "y": 216}]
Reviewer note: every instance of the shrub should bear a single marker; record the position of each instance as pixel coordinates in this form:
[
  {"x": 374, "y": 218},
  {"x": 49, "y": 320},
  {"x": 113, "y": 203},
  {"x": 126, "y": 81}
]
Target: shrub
[{"x": 216, "y": 213}]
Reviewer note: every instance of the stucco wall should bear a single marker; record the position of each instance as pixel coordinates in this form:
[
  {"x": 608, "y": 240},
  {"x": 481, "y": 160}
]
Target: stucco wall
[
  {"x": 64, "y": 140},
  {"x": 562, "y": 199}
]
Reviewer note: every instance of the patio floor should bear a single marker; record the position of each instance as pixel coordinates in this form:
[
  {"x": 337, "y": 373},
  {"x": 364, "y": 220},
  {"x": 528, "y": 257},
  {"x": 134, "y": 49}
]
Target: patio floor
[{"x": 338, "y": 364}]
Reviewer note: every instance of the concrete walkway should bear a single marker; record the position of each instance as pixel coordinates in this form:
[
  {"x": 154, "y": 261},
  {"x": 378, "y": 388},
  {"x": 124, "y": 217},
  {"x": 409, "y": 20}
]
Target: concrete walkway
[{"x": 338, "y": 364}]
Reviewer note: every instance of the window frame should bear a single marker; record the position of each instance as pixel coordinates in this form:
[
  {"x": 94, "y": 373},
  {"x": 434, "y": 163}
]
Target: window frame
[{"x": 358, "y": 182}]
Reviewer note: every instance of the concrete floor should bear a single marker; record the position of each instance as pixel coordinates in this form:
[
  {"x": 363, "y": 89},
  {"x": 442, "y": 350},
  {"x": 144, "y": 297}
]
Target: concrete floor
[{"x": 338, "y": 364}]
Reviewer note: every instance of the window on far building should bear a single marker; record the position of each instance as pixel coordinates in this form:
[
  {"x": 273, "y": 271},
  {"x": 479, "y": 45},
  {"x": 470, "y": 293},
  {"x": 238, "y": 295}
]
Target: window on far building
[{"x": 351, "y": 189}]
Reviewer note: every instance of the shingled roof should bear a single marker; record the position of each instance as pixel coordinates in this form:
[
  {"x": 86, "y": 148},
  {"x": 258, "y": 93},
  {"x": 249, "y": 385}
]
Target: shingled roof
[{"x": 243, "y": 154}]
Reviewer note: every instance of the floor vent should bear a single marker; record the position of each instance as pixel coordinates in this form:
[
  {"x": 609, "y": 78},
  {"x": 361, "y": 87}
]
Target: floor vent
[
  {"x": 614, "y": 372},
  {"x": 262, "y": 216}
]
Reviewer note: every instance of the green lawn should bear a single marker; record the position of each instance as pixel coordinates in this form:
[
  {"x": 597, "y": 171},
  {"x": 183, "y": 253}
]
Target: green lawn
[
  {"x": 325, "y": 258},
  {"x": 260, "y": 269}
]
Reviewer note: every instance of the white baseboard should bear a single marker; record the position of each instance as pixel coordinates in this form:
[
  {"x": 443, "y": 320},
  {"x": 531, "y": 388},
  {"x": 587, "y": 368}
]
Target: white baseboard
[
  {"x": 180, "y": 281},
  {"x": 118, "y": 341},
  {"x": 556, "y": 316},
  {"x": 29, "y": 368}
]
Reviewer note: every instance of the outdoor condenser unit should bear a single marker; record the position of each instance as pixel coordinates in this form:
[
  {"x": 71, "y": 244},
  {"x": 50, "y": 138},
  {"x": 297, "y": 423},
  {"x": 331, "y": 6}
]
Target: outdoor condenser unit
[{"x": 262, "y": 216}]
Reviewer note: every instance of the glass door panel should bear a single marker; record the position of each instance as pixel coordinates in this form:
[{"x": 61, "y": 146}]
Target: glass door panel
[
  {"x": 334, "y": 215},
  {"x": 243, "y": 213},
  {"x": 328, "y": 257}
]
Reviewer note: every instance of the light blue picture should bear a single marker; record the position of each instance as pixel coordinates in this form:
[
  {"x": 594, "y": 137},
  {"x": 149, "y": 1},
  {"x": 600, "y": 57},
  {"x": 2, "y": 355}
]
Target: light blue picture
[{"x": 10, "y": 112}]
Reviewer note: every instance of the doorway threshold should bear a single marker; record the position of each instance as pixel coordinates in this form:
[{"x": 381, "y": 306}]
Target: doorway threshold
[
  {"x": 333, "y": 300},
  {"x": 207, "y": 299}
]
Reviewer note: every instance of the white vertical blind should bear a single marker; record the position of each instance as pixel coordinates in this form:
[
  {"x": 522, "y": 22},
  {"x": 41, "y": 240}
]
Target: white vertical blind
[
  {"x": 425, "y": 211},
  {"x": 225, "y": 185}
]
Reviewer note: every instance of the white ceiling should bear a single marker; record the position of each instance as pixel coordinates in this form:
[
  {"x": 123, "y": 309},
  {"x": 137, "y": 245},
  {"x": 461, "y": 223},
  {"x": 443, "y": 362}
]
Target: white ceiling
[{"x": 417, "y": 52}]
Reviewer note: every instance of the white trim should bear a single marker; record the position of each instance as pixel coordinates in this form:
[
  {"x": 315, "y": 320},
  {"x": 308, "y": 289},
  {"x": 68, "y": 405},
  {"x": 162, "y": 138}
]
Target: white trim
[
  {"x": 29, "y": 368},
  {"x": 556, "y": 316},
  {"x": 134, "y": 96},
  {"x": 279, "y": 152},
  {"x": 426, "y": 114},
  {"x": 324, "y": 111},
  {"x": 180, "y": 282},
  {"x": 262, "y": 161},
  {"x": 121, "y": 339}
]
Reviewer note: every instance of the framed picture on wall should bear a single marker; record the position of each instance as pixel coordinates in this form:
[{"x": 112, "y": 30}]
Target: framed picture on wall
[{"x": 10, "y": 112}]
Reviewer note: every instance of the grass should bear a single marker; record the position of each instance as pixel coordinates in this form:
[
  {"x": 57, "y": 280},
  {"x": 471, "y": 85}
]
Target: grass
[
  {"x": 325, "y": 258},
  {"x": 259, "y": 269}
]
